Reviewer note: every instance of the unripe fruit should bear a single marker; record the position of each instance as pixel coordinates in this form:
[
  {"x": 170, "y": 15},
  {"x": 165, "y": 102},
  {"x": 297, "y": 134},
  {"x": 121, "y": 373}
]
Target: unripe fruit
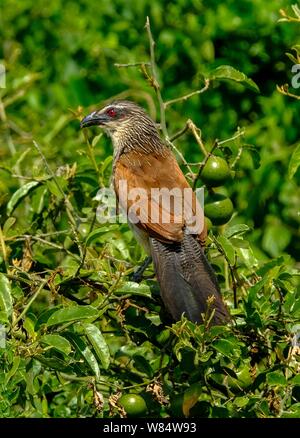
[
  {"x": 208, "y": 223},
  {"x": 218, "y": 208},
  {"x": 215, "y": 172},
  {"x": 134, "y": 405}
]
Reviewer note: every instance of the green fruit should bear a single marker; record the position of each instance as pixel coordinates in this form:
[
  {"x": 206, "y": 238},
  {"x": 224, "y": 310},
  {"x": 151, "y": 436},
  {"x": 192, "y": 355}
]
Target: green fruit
[
  {"x": 134, "y": 405},
  {"x": 218, "y": 208},
  {"x": 208, "y": 223},
  {"x": 84, "y": 229},
  {"x": 215, "y": 172}
]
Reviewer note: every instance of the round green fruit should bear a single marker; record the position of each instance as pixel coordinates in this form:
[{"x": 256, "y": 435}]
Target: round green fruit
[
  {"x": 208, "y": 223},
  {"x": 215, "y": 172},
  {"x": 218, "y": 208},
  {"x": 134, "y": 405}
]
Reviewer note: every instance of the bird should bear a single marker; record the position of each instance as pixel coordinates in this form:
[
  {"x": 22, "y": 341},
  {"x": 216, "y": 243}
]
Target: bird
[{"x": 143, "y": 163}]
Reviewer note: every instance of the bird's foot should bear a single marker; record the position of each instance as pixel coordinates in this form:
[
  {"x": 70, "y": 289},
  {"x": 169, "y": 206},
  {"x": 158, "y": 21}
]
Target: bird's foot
[{"x": 137, "y": 276}]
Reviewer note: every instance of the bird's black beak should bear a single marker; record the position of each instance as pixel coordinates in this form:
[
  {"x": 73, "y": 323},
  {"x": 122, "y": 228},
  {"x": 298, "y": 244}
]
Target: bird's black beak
[{"x": 93, "y": 119}]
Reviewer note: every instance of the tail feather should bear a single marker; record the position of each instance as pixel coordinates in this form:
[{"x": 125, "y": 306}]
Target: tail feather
[{"x": 187, "y": 280}]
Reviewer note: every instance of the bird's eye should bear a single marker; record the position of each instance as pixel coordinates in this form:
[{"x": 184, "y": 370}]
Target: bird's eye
[{"x": 111, "y": 112}]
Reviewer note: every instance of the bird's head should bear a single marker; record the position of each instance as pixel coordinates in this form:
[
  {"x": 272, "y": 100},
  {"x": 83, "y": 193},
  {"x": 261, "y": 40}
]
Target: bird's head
[
  {"x": 117, "y": 116},
  {"x": 125, "y": 122}
]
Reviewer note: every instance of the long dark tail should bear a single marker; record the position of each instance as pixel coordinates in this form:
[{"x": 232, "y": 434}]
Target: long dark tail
[{"x": 187, "y": 280}]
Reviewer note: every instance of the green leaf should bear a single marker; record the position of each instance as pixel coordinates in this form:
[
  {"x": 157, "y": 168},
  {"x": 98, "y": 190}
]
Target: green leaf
[
  {"x": 241, "y": 401},
  {"x": 268, "y": 266},
  {"x": 28, "y": 325},
  {"x": 85, "y": 351},
  {"x": 276, "y": 378},
  {"x": 142, "y": 365},
  {"x": 228, "y": 72},
  {"x": 13, "y": 370},
  {"x": 73, "y": 313},
  {"x": 96, "y": 139},
  {"x": 239, "y": 243},
  {"x": 99, "y": 344},
  {"x": 55, "y": 362},
  {"x": 293, "y": 412},
  {"x": 295, "y": 380},
  {"x": 6, "y": 303},
  {"x": 226, "y": 347},
  {"x": 276, "y": 238},
  {"x": 294, "y": 162},
  {"x": 58, "y": 342},
  {"x": 191, "y": 397},
  {"x": 98, "y": 232},
  {"x": 107, "y": 163},
  {"x": 20, "y": 194},
  {"x": 8, "y": 224},
  {"x": 228, "y": 248},
  {"x": 236, "y": 230},
  {"x": 132, "y": 288},
  {"x": 55, "y": 189}
]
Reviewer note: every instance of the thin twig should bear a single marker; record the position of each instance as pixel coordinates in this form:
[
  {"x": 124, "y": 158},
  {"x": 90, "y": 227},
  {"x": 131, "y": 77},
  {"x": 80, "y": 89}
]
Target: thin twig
[
  {"x": 50, "y": 171},
  {"x": 198, "y": 136},
  {"x": 28, "y": 178},
  {"x": 156, "y": 84},
  {"x": 240, "y": 133},
  {"x": 32, "y": 299},
  {"x": 46, "y": 242},
  {"x": 84, "y": 252},
  {"x": 69, "y": 207},
  {"x": 3, "y": 247},
  {"x": 231, "y": 269},
  {"x": 283, "y": 89},
  {"x": 92, "y": 158},
  {"x": 132, "y": 64},
  {"x": 179, "y": 133},
  {"x": 201, "y": 167},
  {"x": 188, "y": 96}
]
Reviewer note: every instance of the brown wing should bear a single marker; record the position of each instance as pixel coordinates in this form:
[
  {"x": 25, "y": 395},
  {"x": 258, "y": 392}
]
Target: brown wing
[{"x": 144, "y": 183}]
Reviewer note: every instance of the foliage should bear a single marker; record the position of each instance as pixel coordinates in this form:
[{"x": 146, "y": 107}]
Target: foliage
[{"x": 79, "y": 332}]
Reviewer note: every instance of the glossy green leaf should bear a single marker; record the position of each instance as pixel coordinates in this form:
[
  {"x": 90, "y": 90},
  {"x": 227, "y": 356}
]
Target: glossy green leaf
[
  {"x": 13, "y": 369},
  {"x": 191, "y": 397},
  {"x": 81, "y": 346},
  {"x": 228, "y": 249},
  {"x": 58, "y": 342},
  {"x": 54, "y": 188},
  {"x": 6, "y": 301},
  {"x": 73, "y": 313},
  {"x": 99, "y": 344},
  {"x": 226, "y": 347},
  {"x": 228, "y": 72},
  {"x": 296, "y": 380},
  {"x": 8, "y": 224},
  {"x": 98, "y": 232},
  {"x": 236, "y": 230},
  {"x": 19, "y": 195},
  {"x": 276, "y": 378},
  {"x": 294, "y": 162},
  {"x": 132, "y": 288},
  {"x": 142, "y": 365}
]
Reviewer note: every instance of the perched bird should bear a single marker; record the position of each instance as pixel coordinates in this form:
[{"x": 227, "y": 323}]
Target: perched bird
[{"x": 170, "y": 228}]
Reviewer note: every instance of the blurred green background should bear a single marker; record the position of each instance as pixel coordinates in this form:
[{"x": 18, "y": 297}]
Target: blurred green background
[{"x": 60, "y": 55}]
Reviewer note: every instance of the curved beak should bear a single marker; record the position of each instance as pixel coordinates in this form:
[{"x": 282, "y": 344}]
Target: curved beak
[{"x": 93, "y": 119}]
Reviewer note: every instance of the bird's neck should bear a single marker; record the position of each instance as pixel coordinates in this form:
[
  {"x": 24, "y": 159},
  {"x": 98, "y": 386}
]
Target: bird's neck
[{"x": 140, "y": 142}]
